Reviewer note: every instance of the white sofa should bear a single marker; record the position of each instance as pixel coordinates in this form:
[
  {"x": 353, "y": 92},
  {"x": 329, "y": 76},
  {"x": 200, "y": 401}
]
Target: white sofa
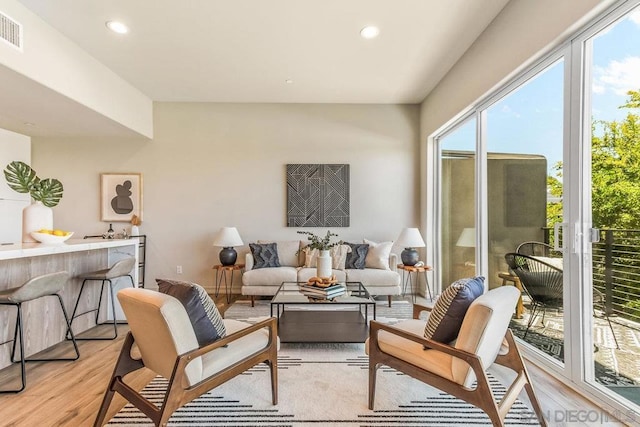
[{"x": 266, "y": 281}]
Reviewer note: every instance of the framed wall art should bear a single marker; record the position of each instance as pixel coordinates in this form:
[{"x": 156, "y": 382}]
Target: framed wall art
[
  {"x": 318, "y": 195},
  {"x": 120, "y": 196}
]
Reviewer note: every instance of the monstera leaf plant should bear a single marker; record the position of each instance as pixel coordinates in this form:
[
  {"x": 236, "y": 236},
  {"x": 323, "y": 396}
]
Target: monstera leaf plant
[{"x": 23, "y": 179}]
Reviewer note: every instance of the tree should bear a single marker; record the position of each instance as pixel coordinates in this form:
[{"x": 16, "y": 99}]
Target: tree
[{"x": 615, "y": 176}]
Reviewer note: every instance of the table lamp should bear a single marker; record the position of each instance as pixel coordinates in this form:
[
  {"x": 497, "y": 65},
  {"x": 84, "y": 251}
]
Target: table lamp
[
  {"x": 467, "y": 238},
  {"x": 410, "y": 239},
  {"x": 227, "y": 238}
]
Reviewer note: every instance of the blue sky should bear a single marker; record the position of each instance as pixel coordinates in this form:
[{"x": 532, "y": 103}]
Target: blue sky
[{"x": 529, "y": 120}]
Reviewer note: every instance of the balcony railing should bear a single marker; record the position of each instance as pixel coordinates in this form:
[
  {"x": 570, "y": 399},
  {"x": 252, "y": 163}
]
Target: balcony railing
[{"x": 616, "y": 270}]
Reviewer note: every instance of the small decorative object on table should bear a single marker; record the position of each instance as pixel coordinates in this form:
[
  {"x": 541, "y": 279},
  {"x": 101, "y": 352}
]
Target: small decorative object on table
[
  {"x": 45, "y": 192},
  {"x": 323, "y": 245},
  {"x": 135, "y": 225}
]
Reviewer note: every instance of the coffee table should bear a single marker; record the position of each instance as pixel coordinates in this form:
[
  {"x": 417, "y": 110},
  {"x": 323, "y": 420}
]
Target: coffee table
[{"x": 303, "y": 319}]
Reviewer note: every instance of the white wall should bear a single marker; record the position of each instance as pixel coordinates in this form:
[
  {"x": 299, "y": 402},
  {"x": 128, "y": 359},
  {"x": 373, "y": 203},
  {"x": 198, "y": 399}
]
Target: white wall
[
  {"x": 52, "y": 60},
  {"x": 215, "y": 165}
]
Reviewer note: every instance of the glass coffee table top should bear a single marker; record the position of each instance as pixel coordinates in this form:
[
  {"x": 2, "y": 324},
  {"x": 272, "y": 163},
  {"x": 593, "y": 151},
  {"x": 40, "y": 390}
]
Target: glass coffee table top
[
  {"x": 289, "y": 293},
  {"x": 343, "y": 319}
]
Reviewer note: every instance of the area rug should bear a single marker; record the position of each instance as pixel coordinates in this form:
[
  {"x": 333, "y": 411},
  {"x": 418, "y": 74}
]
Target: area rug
[{"x": 323, "y": 385}]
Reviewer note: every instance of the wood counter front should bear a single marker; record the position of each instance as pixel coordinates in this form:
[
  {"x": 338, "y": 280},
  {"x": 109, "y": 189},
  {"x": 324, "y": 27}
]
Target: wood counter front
[{"x": 44, "y": 323}]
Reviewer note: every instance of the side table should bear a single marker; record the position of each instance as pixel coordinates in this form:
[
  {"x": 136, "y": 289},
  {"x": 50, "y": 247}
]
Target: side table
[
  {"x": 508, "y": 277},
  {"x": 221, "y": 273},
  {"x": 408, "y": 280}
]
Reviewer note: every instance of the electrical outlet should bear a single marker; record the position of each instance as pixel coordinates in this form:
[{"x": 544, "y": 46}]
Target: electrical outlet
[{"x": 179, "y": 269}]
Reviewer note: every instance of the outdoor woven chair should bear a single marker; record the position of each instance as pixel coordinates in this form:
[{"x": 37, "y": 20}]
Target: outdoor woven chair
[{"x": 543, "y": 282}]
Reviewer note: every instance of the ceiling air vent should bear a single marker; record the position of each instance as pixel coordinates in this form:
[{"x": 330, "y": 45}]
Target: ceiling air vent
[{"x": 10, "y": 31}]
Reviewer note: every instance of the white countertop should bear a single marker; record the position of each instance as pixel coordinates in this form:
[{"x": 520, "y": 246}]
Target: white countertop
[{"x": 25, "y": 250}]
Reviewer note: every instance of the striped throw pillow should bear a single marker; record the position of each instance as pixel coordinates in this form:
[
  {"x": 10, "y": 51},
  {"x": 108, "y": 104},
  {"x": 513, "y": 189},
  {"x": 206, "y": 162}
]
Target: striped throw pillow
[
  {"x": 204, "y": 315},
  {"x": 448, "y": 312}
]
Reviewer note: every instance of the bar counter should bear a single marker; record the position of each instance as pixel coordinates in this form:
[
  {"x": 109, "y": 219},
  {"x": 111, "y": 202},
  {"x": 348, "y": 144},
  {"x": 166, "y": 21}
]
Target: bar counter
[{"x": 44, "y": 322}]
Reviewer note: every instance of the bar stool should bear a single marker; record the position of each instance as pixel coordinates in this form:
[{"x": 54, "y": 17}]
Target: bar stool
[
  {"x": 37, "y": 287},
  {"x": 121, "y": 268}
]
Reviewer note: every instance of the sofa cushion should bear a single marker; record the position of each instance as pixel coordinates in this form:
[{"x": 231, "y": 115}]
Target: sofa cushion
[
  {"x": 358, "y": 255},
  {"x": 265, "y": 255},
  {"x": 287, "y": 252},
  {"x": 203, "y": 313},
  {"x": 449, "y": 310},
  {"x": 269, "y": 276},
  {"x": 372, "y": 277},
  {"x": 378, "y": 255}
]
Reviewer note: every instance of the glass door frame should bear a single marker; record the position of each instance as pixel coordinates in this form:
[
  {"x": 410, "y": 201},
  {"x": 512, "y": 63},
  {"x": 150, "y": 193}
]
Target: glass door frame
[{"x": 577, "y": 272}]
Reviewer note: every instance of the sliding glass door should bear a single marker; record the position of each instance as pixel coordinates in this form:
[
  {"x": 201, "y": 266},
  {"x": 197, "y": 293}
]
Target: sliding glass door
[
  {"x": 549, "y": 166},
  {"x": 613, "y": 279},
  {"x": 457, "y": 207}
]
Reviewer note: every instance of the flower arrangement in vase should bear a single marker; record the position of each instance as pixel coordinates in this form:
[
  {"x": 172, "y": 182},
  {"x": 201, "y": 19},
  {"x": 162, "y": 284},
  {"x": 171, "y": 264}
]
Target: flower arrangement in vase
[{"x": 323, "y": 245}]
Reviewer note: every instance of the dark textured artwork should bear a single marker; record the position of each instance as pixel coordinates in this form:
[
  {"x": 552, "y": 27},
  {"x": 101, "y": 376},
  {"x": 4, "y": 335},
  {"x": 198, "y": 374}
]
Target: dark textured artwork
[
  {"x": 317, "y": 195},
  {"x": 122, "y": 203}
]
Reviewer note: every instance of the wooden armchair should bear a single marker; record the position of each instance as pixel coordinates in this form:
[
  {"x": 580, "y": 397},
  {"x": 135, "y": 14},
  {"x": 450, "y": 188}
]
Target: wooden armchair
[
  {"x": 162, "y": 331},
  {"x": 484, "y": 339}
]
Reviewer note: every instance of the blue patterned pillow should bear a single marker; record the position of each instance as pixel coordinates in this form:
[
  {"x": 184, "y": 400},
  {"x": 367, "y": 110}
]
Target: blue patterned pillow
[
  {"x": 203, "y": 313},
  {"x": 265, "y": 255},
  {"x": 356, "y": 258},
  {"x": 450, "y": 308}
]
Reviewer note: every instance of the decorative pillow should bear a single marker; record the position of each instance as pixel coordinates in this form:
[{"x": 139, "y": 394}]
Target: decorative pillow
[
  {"x": 378, "y": 255},
  {"x": 356, "y": 258},
  {"x": 265, "y": 255},
  {"x": 339, "y": 256},
  {"x": 311, "y": 257},
  {"x": 287, "y": 252},
  {"x": 448, "y": 312},
  {"x": 337, "y": 253},
  {"x": 203, "y": 313}
]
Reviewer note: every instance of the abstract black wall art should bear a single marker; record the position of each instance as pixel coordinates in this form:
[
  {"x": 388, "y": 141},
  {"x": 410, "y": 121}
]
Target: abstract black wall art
[{"x": 317, "y": 195}]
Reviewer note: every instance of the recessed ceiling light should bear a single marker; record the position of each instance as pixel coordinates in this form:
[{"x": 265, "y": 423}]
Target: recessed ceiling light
[
  {"x": 370, "y": 32},
  {"x": 288, "y": 81},
  {"x": 117, "y": 27},
  {"x": 29, "y": 124}
]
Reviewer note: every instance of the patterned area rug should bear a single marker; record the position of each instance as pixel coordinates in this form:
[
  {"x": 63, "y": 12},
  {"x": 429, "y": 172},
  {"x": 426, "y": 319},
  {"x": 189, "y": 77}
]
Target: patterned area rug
[{"x": 323, "y": 385}]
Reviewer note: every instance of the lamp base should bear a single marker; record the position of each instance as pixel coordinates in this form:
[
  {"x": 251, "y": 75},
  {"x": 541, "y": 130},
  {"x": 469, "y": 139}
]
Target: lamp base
[
  {"x": 228, "y": 256},
  {"x": 409, "y": 256}
]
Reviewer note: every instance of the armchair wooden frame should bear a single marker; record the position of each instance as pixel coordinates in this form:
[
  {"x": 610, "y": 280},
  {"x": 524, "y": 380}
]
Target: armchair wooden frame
[
  {"x": 177, "y": 393},
  {"x": 481, "y": 396}
]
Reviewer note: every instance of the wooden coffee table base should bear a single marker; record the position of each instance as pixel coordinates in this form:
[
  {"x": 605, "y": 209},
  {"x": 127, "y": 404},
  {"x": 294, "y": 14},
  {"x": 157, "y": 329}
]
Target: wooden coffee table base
[{"x": 322, "y": 326}]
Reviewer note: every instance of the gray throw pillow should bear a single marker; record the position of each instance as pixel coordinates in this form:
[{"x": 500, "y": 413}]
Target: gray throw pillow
[
  {"x": 356, "y": 258},
  {"x": 450, "y": 308},
  {"x": 265, "y": 255},
  {"x": 203, "y": 313}
]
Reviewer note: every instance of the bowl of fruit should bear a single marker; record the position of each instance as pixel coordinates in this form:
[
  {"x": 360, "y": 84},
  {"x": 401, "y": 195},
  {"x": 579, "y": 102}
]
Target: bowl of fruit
[{"x": 51, "y": 237}]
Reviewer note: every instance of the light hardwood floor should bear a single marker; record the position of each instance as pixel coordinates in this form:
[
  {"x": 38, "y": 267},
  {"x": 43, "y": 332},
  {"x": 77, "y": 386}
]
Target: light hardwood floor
[{"x": 70, "y": 393}]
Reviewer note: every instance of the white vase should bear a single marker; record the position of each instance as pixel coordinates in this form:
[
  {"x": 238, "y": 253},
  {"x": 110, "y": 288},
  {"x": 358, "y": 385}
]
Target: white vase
[
  {"x": 135, "y": 231},
  {"x": 35, "y": 217},
  {"x": 323, "y": 267}
]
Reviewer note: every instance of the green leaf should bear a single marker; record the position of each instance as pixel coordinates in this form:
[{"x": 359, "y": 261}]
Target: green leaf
[
  {"x": 20, "y": 177},
  {"x": 48, "y": 191}
]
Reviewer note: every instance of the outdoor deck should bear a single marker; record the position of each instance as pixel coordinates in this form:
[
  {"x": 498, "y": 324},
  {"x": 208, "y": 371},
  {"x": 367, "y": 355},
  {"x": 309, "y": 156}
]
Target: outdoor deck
[{"x": 616, "y": 368}]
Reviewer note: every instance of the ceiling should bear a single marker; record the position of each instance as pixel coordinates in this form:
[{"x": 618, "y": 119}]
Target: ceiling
[{"x": 246, "y": 50}]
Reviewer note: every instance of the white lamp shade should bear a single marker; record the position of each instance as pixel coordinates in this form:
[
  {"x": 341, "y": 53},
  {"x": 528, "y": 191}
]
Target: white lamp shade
[
  {"x": 467, "y": 238},
  {"x": 227, "y": 237},
  {"x": 410, "y": 238}
]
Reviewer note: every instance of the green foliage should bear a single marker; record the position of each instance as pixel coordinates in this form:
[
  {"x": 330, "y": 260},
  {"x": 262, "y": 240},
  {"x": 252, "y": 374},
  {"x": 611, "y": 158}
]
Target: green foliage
[
  {"x": 318, "y": 243},
  {"x": 615, "y": 177},
  {"x": 23, "y": 179}
]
